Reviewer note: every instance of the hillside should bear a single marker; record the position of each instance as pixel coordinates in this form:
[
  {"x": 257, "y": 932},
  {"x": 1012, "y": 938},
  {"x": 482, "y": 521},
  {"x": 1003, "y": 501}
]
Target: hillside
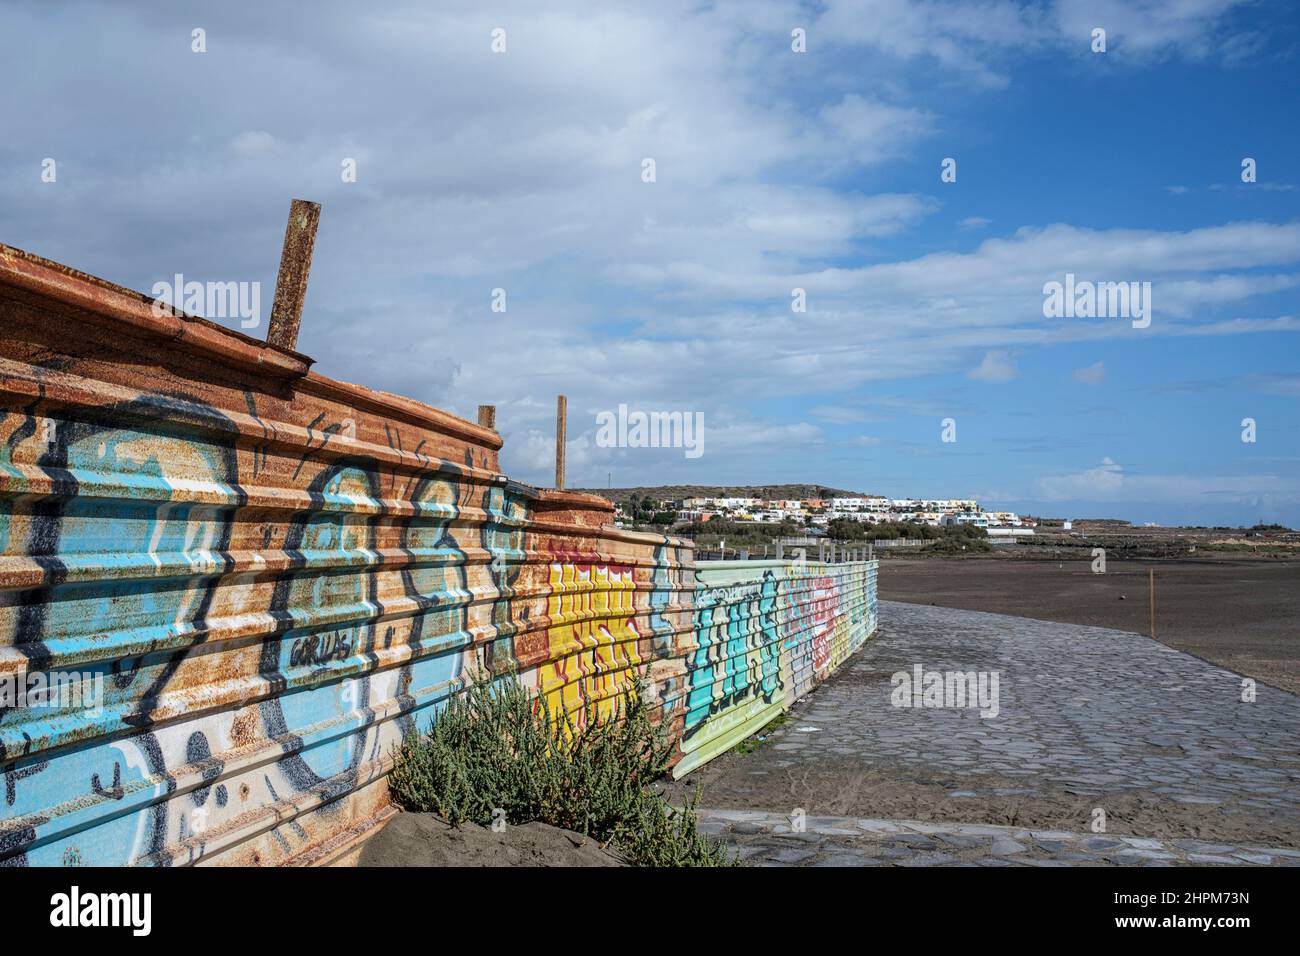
[{"x": 677, "y": 492}]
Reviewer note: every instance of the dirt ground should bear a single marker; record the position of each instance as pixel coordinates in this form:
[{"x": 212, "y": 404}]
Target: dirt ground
[
  {"x": 423, "y": 839},
  {"x": 851, "y": 787},
  {"x": 1239, "y": 613}
]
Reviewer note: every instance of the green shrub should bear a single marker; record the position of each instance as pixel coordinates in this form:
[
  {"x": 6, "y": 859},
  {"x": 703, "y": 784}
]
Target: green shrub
[{"x": 495, "y": 745}]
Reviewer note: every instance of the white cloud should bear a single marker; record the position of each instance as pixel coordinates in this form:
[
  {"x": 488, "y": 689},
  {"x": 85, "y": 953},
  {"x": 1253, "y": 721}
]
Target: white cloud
[
  {"x": 1108, "y": 482},
  {"x": 977, "y": 39},
  {"x": 995, "y": 367},
  {"x": 1094, "y": 374},
  {"x": 1287, "y": 386},
  {"x": 522, "y": 171},
  {"x": 871, "y": 131}
]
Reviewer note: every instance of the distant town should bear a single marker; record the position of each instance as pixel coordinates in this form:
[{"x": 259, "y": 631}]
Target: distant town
[
  {"x": 757, "y": 518},
  {"x": 819, "y": 512}
]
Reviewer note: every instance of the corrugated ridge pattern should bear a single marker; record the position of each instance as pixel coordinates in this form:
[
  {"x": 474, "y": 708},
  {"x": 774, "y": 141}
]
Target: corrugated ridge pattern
[
  {"x": 767, "y": 633},
  {"x": 259, "y": 622},
  {"x": 263, "y": 585}
]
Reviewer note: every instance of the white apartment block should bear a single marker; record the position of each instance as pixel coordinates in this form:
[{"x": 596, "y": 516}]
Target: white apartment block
[
  {"x": 737, "y": 502},
  {"x": 859, "y": 508}
]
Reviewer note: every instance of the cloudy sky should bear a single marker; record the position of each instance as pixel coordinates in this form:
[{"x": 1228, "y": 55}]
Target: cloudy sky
[{"x": 774, "y": 170}]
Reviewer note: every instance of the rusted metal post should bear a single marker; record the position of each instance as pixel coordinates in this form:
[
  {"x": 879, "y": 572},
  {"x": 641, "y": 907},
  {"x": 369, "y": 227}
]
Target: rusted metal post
[
  {"x": 487, "y": 416},
  {"x": 1151, "y": 598},
  {"x": 561, "y": 424},
  {"x": 295, "y": 265}
]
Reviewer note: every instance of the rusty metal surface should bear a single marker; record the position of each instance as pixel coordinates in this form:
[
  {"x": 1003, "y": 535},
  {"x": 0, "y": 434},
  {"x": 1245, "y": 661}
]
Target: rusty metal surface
[
  {"x": 295, "y": 267},
  {"x": 258, "y": 584},
  {"x": 270, "y": 580},
  {"x": 111, "y": 311}
]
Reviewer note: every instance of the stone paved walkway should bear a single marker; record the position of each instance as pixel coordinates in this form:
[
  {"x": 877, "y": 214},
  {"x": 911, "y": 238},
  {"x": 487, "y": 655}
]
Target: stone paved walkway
[
  {"x": 769, "y": 839},
  {"x": 1089, "y": 722}
]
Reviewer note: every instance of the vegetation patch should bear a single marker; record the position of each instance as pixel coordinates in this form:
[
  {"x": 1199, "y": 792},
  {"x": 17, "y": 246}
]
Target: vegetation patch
[
  {"x": 496, "y": 752},
  {"x": 762, "y": 736},
  {"x": 944, "y": 539}
]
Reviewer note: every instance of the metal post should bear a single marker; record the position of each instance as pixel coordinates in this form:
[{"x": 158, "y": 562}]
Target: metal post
[
  {"x": 295, "y": 266},
  {"x": 561, "y": 424},
  {"x": 1151, "y": 592}
]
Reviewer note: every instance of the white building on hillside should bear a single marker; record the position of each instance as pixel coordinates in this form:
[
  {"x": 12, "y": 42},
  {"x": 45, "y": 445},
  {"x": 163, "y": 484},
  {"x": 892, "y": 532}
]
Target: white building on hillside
[{"x": 978, "y": 519}]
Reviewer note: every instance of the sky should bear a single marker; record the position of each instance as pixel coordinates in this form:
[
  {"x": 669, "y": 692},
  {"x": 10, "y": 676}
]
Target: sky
[{"x": 523, "y": 169}]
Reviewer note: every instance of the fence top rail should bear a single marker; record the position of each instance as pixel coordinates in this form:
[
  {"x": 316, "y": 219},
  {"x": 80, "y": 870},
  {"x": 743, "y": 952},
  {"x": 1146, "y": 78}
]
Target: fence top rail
[{"x": 788, "y": 562}]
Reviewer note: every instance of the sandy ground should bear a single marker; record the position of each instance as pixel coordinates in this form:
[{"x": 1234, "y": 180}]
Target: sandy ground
[
  {"x": 423, "y": 839},
  {"x": 1239, "y": 613}
]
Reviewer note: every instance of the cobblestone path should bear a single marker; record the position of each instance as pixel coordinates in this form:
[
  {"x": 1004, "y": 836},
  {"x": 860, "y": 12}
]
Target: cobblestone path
[{"x": 1093, "y": 727}]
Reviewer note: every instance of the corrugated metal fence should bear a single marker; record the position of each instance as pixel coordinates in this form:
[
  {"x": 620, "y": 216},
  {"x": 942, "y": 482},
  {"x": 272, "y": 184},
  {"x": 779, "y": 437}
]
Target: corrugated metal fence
[
  {"x": 229, "y": 587},
  {"x": 767, "y": 632}
]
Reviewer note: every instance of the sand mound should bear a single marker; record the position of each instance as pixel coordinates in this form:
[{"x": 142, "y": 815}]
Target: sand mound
[{"x": 423, "y": 839}]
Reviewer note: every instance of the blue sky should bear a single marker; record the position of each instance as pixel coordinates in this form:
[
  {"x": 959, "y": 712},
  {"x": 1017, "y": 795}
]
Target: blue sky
[{"x": 775, "y": 170}]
